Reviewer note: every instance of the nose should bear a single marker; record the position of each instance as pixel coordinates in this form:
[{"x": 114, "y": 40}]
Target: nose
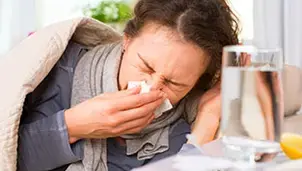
[{"x": 157, "y": 82}]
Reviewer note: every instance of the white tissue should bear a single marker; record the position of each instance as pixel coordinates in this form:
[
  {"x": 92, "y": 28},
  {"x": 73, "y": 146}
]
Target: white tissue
[{"x": 145, "y": 88}]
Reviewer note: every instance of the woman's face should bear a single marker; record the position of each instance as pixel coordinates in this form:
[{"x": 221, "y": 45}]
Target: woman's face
[{"x": 161, "y": 57}]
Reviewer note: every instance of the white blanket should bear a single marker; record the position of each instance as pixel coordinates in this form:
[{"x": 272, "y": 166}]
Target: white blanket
[{"x": 22, "y": 69}]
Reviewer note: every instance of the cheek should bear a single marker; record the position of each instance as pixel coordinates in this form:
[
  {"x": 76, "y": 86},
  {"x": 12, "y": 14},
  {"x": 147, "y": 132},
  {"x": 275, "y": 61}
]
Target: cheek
[{"x": 175, "y": 94}]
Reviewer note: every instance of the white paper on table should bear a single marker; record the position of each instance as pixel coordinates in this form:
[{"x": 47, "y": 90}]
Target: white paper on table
[
  {"x": 145, "y": 88},
  {"x": 289, "y": 165},
  {"x": 200, "y": 163}
]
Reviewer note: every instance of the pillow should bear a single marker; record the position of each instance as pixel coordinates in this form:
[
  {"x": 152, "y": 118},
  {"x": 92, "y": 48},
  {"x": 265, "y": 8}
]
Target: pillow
[{"x": 292, "y": 85}]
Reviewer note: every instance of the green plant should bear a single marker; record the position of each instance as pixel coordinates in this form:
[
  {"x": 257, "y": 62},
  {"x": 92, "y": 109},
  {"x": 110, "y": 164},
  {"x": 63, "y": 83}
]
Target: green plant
[{"x": 111, "y": 11}]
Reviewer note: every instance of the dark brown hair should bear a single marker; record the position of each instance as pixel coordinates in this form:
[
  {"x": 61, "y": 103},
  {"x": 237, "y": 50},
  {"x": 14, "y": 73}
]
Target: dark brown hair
[{"x": 210, "y": 24}]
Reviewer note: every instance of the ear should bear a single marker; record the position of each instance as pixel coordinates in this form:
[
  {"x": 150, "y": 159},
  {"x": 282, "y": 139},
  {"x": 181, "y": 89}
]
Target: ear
[{"x": 126, "y": 41}]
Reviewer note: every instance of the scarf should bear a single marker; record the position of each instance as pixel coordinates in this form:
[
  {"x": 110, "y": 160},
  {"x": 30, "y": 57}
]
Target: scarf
[{"x": 97, "y": 73}]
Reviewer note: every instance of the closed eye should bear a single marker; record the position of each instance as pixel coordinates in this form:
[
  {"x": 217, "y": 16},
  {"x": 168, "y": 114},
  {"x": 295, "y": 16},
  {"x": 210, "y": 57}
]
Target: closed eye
[
  {"x": 149, "y": 69},
  {"x": 176, "y": 83}
]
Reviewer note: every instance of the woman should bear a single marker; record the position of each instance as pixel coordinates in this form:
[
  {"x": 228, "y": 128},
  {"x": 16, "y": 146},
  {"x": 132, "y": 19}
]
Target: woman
[{"x": 176, "y": 45}]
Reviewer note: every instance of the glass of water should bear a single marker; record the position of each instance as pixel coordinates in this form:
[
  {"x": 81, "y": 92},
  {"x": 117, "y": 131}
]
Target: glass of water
[{"x": 252, "y": 103}]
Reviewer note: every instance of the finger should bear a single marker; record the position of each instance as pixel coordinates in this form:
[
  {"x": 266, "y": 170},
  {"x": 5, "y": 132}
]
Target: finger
[
  {"x": 134, "y": 101},
  {"x": 135, "y": 124},
  {"x": 151, "y": 118},
  {"x": 217, "y": 86},
  {"x": 139, "y": 128},
  {"x": 140, "y": 112},
  {"x": 134, "y": 130},
  {"x": 123, "y": 93}
]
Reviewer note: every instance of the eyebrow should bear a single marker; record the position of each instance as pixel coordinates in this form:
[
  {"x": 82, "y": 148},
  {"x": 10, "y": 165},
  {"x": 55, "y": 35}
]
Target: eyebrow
[
  {"x": 145, "y": 62},
  {"x": 167, "y": 80}
]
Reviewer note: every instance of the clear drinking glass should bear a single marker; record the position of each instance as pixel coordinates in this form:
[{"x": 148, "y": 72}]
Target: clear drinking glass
[{"x": 252, "y": 103}]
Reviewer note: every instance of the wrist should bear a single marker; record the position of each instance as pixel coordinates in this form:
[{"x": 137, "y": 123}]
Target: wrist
[
  {"x": 71, "y": 125},
  {"x": 204, "y": 129},
  {"x": 201, "y": 138}
]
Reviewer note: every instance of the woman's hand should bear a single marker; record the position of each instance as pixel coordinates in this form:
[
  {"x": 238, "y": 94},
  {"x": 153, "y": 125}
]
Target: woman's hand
[
  {"x": 207, "y": 120},
  {"x": 112, "y": 114}
]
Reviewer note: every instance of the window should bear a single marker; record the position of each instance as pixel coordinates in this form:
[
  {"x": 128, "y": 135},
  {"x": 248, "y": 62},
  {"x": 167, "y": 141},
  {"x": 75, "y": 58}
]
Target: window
[
  {"x": 244, "y": 11},
  {"x": 51, "y": 11},
  {"x": 15, "y": 26}
]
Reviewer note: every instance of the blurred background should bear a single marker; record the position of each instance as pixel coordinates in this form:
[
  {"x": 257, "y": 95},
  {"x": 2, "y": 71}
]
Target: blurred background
[{"x": 265, "y": 23}]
